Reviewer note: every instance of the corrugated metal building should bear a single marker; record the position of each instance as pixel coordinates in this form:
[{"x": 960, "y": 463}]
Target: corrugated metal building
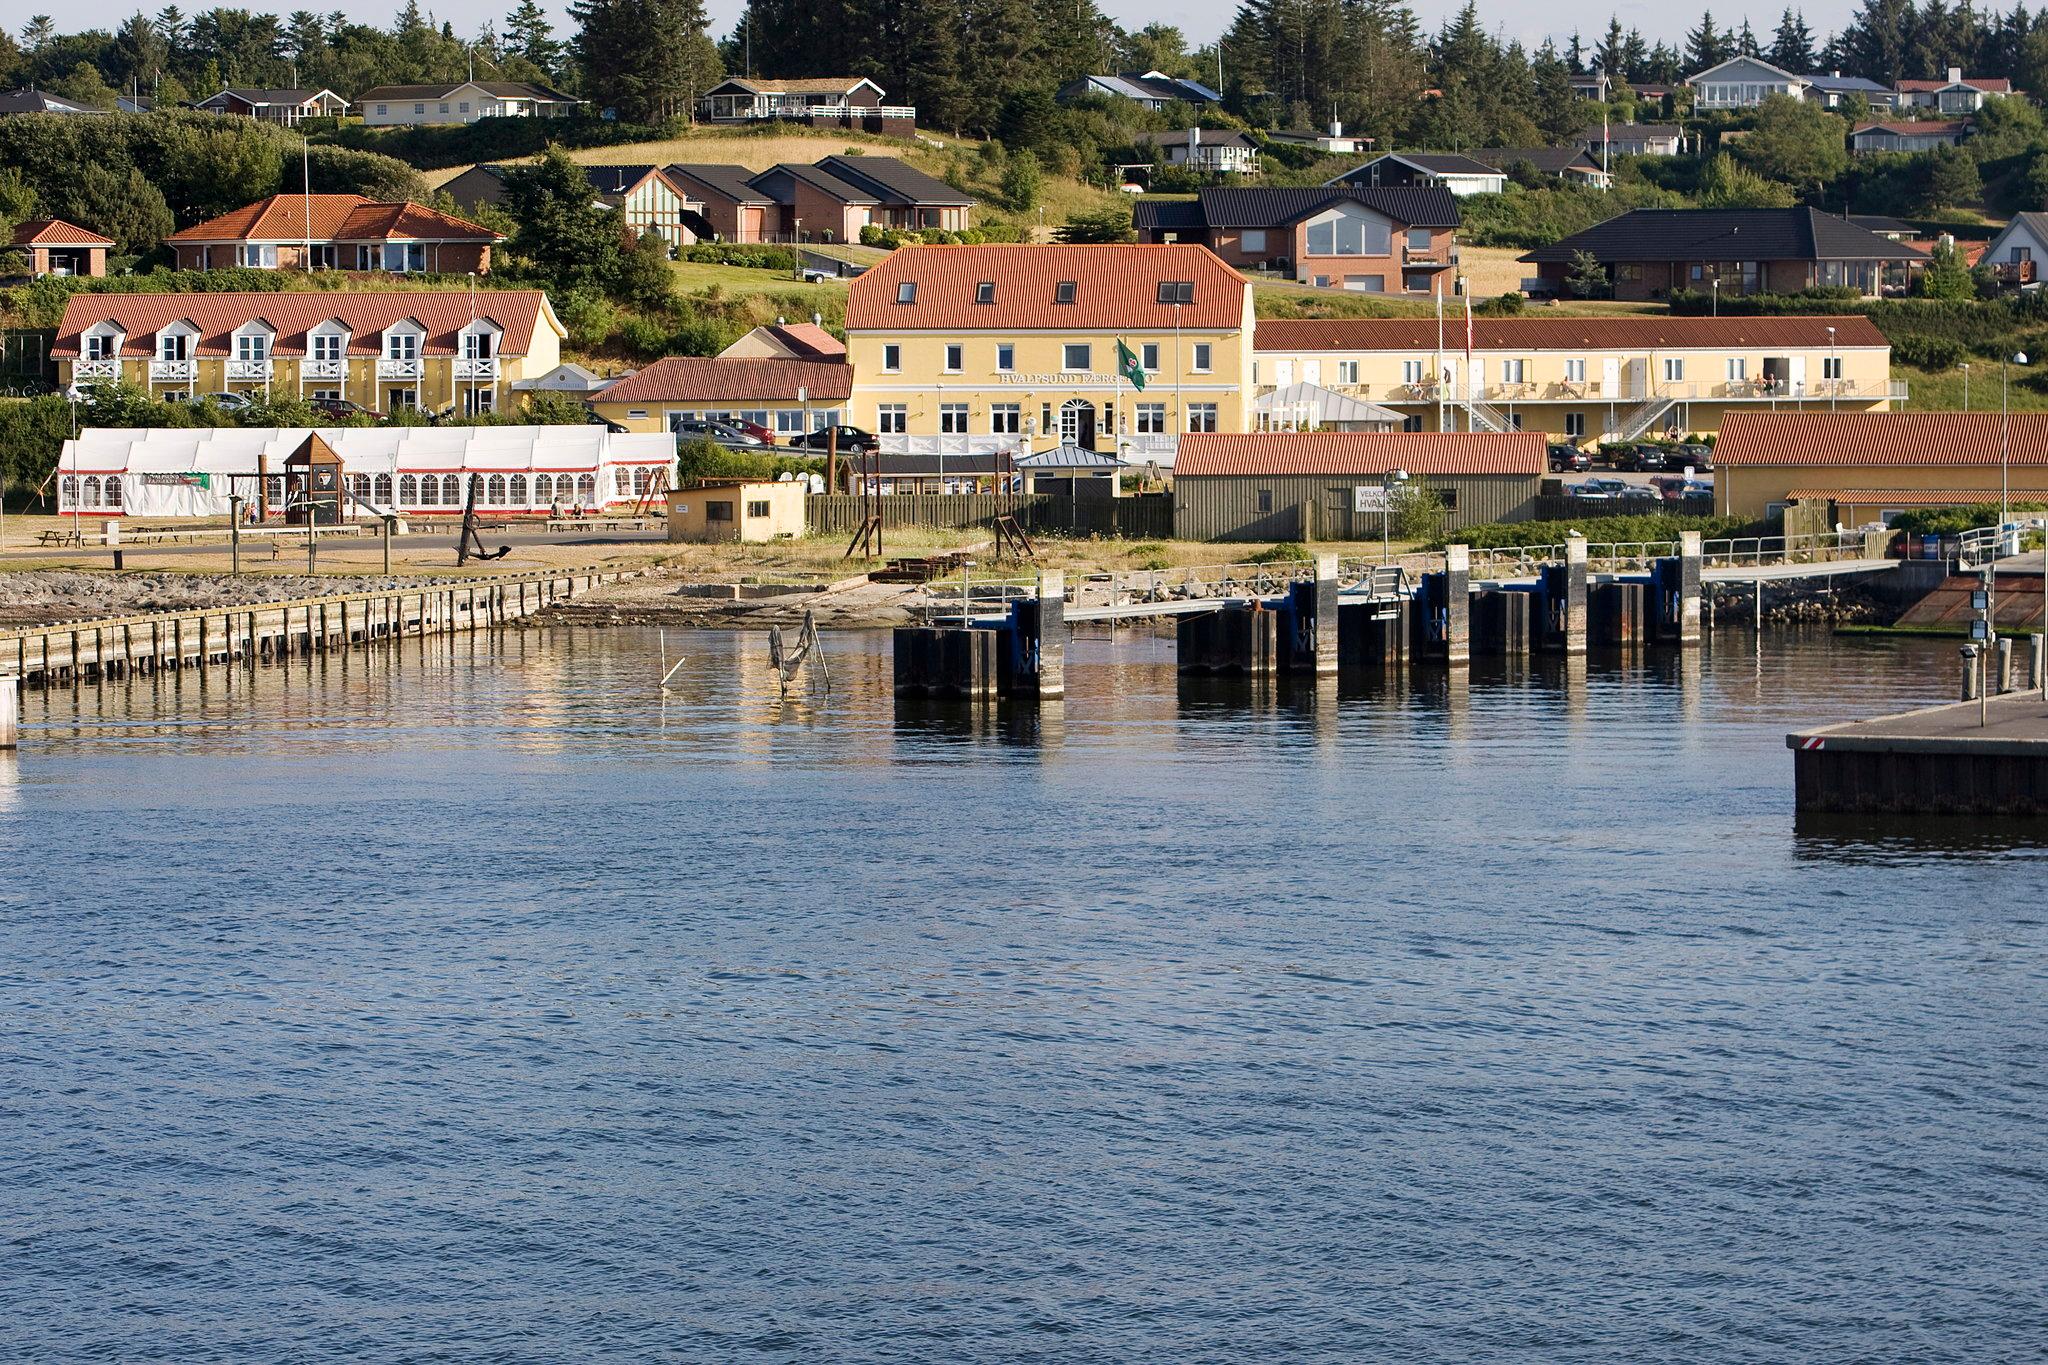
[{"x": 1305, "y": 486}]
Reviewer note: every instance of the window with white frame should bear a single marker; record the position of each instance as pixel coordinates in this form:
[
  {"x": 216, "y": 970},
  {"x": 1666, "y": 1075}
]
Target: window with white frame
[
  {"x": 1203, "y": 352},
  {"x": 1514, "y": 371},
  {"x": 892, "y": 357},
  {"x": 952, "y": 419},
  {"x": 99, "y": 346},
  {"x": 1005, "y": 419},
  {"x": 1347, "y": 372},
  {"x": 1738, "y": 369},
  {"x": 1411, "y": 372},
  {"x": 1674, "y": 369},
  {"x": 475, "y": 401},
  {"x": 892, "y": 419},
  {"x": 1575, "y": 371},
  {"x": 956, "y": 357},
  {"x": 327, "y": 345},
  {"x": 1151, "y": 419},
  {"x": 173, "y": 345},
  {"x": 1148, "y": 356},
  {"x": 257, "y": 255},
  {"x": 1006, "y": 357},
  {"x": 1077, "y": 355},
  {"x": 1575, "y": 425},
  {"x": 1831, "y": 367},
  {"x": 1201, "y": 417},
  {"x": 789, "y": 422},
  {"x": 252, "y": 346},
  {"x": 401, "y": 345}
]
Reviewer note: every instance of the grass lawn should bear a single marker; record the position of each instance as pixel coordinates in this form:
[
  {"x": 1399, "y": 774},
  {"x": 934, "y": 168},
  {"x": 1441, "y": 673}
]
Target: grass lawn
[
  {"x": 693, "y": 277},
  {"x": 1942, "y": 391}
]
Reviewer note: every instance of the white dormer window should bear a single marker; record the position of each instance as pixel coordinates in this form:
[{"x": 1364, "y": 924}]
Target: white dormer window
[
  {"x": 252, "y": 346},
  {"x": 401, "y": 345},
  {"x": 329, "y": 345},
  {"x": 172, "y": 345},
  {"x": 102, "y": 345}
]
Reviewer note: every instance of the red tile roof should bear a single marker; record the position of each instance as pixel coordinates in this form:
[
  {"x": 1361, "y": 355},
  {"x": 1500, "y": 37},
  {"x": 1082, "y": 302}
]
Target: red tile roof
[
  {"x": 694, "y": 379},
  {"x": 1995, "y": 85},
  {"x": 366, "y": 314},
  {"x": 1916, "y": 127},
  {"x": 1116, "y": 288},
  {"x": 1562, "y": 333},
  {"x": 811, "y": 339},
  {"x": 334, "y": 218},
  {"x": 56, "y": 232},
  {"x": 1357, "y": 453},
  {"x": 1907, "y": 497},
  {"x": 1864, "y": 439}
]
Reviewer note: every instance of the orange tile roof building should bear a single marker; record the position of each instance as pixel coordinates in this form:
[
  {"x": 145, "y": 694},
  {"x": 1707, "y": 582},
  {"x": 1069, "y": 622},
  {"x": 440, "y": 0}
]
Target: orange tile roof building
[
  {"x": 438, "y": 350},
  {"x": 336, "y": 232},
  {"x": 1327, "y": 485},
  {"x": 55, "y": 247},
  {"x": 1852, "y": 469},
  {"x": 788, "y": 397},
  {"x": 977, "y": 349},
  {"x": 1584, "y": 379}
]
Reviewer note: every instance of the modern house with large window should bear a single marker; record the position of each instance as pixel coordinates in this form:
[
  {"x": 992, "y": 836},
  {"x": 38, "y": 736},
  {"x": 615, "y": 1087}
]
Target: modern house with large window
[
  {"x": 1375, "y": 241},
  {"x": 647, "y": 199},
  {"x": 336, "y": 232},
  {"x": 835, "y": 101},
  {"x": 463, "y": 102},
  {"x": 383, "y": 350},
  {"x": 1955, "y": 95},
  {"x": 1648, "y": 254},
  {"x": 1744, "y": 83},
  {"x": 1583, "y": 379},
  {"x": 1153, "y": 89},
  {"x": 1118, "y": 349}
]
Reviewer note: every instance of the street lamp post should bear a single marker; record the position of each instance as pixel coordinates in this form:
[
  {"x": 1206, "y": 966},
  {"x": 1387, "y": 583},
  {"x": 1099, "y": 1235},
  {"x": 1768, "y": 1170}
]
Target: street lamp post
[
  {"x": 1834, "y": 375},
  {"x": 2005, "y": 442},
  {"x": 1392, "y": 481},
  {"x": 1965, "y": 367},
  {"x": 1717, "y": 296}
]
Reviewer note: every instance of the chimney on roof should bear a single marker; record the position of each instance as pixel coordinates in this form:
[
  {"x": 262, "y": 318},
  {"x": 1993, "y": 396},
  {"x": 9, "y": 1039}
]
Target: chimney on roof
[
  {"x": 1336, "y": 128},
  {"x": 1955, "y": 75},
  {"x": 1194, "y": 141},
  {"x": 1836, "y": 73}
]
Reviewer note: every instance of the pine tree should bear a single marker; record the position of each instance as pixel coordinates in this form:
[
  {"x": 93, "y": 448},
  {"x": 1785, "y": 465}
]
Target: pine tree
[
  {"x": 36, "y": 32},
  {"x": 1792, "y": 45},
  {"x": 528, "y": 33},
  {"x": 1612, "y": 54},
  {"x": 1745, "y": 44},
  {"x": 1703, "y": 46}
]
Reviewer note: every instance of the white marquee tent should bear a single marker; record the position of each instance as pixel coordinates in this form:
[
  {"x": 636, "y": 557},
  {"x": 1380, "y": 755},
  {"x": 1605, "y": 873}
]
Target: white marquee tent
[{"x": 189, "y": 472}]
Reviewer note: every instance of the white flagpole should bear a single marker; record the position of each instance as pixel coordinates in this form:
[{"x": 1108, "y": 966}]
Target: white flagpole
[{"x": 1439, "y": 353}]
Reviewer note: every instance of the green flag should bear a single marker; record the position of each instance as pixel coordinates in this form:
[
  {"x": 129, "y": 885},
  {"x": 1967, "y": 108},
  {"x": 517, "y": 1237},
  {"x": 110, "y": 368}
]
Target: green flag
[{"x": 1127, "y": 364}]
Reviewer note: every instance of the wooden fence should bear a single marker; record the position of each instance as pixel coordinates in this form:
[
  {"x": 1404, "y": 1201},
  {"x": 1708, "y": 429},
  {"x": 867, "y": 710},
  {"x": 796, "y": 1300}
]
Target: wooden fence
[{"x": 1148, "y": 516}]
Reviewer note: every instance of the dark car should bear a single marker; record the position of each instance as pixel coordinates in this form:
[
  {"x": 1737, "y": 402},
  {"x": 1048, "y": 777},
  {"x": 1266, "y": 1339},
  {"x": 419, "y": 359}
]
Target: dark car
[
  {"x": 1568, "y": 459},
  {"x": 341, "y": 409},
  {"x": 847, "y": 439},
  {"x": 1697, "y": 454},
  {"x": 720, "y": 433},
  {"x": 1624, "y": 457},
  {"x": 1652, "y": 459}
]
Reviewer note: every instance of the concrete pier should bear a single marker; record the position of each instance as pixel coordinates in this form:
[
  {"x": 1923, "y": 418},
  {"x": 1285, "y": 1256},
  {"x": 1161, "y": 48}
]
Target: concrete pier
[
  {"x": 1572, "y": 617},
  {"x": 1239, "y": 638},
  {"x": 1936, "y": 761},
  {"x": 1324, "y": 630},
  {"x": 1690, "y": 559},
  {"x": 1457, "y": 642},
  {"x": 10, "y": 710}
]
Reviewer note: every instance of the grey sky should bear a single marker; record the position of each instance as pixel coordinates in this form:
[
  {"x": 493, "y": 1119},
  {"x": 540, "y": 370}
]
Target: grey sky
[{"x": 1201, "y": 20}]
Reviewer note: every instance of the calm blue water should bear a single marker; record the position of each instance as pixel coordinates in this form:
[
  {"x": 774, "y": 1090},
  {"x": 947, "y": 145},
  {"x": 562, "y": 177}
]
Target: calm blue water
[{"x": 479, "y": 1006}]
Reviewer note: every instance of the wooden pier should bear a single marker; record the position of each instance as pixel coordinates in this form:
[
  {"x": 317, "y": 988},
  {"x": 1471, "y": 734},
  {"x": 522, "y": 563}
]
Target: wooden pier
[{"x": 77, "y": 652}]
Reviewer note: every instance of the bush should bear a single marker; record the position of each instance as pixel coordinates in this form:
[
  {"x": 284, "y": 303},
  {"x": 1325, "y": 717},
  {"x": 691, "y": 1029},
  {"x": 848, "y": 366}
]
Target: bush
[
  {"x": 1953, "y": 521},
  {"x": 755, "y": 255},
  {"x": 1600, "y": 530},
  {"x": 1503, "y": 305},
  {"x": 1926, "y": 352},
  {"x": 1286, "y": 552}
]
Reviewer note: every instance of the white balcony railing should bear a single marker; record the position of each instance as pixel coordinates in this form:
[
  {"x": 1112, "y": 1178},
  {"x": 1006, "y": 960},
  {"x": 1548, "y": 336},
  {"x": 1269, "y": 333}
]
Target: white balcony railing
[
  {"x": 398, "y": 369},
  {"x": 310, "y": 368},
  {"x": 96, "y": 369},
  {"x": 249, "y": 369},
  {"x": 476, "y": 367},
  {"x": 171, "y": 371},
  {"x": 1626, "y": 391}
]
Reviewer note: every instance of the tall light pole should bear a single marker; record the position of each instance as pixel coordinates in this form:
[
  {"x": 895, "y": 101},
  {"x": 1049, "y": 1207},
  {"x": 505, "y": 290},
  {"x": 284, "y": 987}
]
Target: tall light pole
[
  {"x": 1717, "y": 296},
  {"x": 1393, "y": 480},
  {"x": 1966, "y": 385},
  {"x": 1834, "y": 379},
  {"x": 2005, "y": 442}
]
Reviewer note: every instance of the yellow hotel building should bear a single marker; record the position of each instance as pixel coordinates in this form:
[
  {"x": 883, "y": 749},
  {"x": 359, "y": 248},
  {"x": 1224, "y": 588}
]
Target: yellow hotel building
[
  {"x": 432, "y": 350},
  {"x": 977, "y": 349},
  {"x": 1585, "y": 379}
]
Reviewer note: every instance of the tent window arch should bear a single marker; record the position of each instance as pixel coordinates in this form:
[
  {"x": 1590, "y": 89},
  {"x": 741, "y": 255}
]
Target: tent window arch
[
  {"x": 641, "y": 478},
  {"x": 495, "y": 492},
  {"x": 92, "y": 491},
  {"x": 543, "y": 488},
  {"x": 382, "y": 495},
  {"x": 71, "y": 490},
  {"x": 113, "y": 490},
  {"x": 586, "y": 487},
  {"x": 622, "y": 482},
  {"x": 518, "y": 490},
  {"x": 408, "y": 490}
]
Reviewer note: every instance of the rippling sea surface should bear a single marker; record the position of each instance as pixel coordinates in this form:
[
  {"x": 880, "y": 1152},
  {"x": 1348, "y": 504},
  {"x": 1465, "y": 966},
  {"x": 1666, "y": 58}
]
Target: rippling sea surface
[{"x": 472, "y": 1002}]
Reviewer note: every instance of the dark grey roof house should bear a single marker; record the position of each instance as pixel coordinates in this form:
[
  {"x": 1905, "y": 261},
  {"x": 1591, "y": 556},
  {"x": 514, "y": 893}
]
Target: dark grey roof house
[{"x": 1648, "y": 253}]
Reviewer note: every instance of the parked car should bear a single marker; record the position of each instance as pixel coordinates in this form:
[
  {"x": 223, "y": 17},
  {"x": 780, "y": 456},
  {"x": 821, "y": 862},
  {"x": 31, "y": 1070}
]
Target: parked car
[
  {"x": 233, "y": 402},
  {"x": 753, "y": 429},
  {"x": 1651, "y": 459},
  {"x": 1625, "y": 458},
  {"x": 1697, "y": 454},
  {"x": 1637, "y": 492},
  {"x": 720, "y": 433},
  {"x": 1670, "y": 487},
  {"x": 341, "y": 409},
  {"x": 1566, "y": 458},
  {"x": 1590, "y": 491},
  {"x": 847, "y": 439},
  {"x": 1612, "y": 488}
]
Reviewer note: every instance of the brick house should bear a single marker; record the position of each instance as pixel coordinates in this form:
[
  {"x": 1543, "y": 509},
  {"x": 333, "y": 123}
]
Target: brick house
[
  {"x": 55, "y": 247},
  {"x": 1367, "y": 240}
]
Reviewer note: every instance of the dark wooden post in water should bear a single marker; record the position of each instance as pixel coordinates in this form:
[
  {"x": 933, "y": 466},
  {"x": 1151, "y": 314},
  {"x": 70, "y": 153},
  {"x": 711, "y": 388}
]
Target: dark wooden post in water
[
  {"x": 935, "y": 661},
  {"x": 1239, "y": 637},
  {"x": 1500, "y": 623}
]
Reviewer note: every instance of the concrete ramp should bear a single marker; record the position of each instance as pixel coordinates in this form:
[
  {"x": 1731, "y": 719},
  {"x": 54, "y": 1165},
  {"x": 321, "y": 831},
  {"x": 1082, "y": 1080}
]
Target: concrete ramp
[{"x": 2018, "y": 604}]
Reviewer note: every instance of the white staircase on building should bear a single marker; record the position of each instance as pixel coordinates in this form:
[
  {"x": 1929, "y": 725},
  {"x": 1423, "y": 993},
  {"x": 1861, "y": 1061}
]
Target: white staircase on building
[{"x": 1640, "y": 419}]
